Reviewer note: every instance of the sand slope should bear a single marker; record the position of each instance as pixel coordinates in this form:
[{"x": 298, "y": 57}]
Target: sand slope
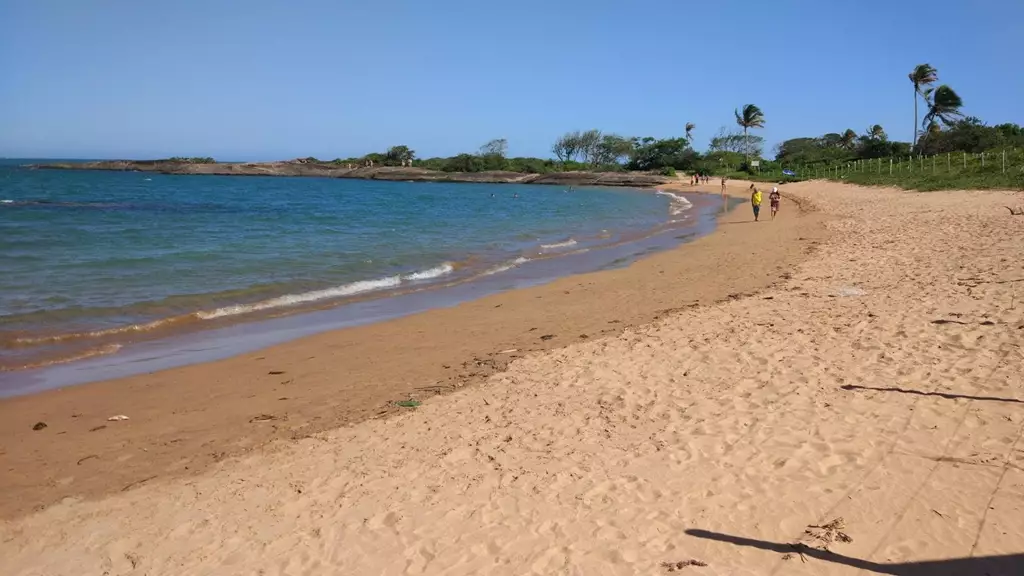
[{"x": 882, "y": 384}]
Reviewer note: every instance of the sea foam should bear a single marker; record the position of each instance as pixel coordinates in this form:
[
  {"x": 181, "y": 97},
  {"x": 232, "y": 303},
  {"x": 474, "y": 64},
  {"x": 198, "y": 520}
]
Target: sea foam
[
  {"x": 350, "y": 289},
  {"x": 677, "y": 204}
]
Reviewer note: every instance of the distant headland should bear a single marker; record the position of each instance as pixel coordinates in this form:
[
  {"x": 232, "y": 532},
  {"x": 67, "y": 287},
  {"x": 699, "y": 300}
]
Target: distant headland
[{"x": 303, "y": 167}]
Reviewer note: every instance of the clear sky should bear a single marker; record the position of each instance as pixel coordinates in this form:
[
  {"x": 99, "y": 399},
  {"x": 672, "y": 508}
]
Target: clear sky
[{"x": 263, "y": 79}]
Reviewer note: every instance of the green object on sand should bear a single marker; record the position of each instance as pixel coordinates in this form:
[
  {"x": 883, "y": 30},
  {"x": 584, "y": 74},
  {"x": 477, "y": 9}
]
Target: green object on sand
[{"x": 408, "y": 403}]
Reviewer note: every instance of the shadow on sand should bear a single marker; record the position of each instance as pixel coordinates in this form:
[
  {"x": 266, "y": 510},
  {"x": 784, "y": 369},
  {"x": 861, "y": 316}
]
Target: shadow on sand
[
  {"x": 1008, "y": 565},
  {"x": 939, "y": 394}
]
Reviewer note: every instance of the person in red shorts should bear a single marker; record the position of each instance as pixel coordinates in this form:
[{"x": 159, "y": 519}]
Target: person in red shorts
[{"x": 774, "y": 198}]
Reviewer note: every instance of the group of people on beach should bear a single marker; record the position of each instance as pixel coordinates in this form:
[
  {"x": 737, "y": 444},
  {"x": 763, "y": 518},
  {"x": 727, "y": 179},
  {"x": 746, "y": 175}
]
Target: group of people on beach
[
  {"x": 774, "y": 198},
  {"x": 698, "y": 178}
]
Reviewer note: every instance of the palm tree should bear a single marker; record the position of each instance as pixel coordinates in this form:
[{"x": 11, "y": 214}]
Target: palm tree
[
  {"x": 922, "y": 76},
  {"x": 689, "y": 129},
  {"x": 752, "y": 117},
  {"x": 847, "y": 139},
  {"x": 944, "y": 107},
  {"x": 875, "y": 133}
]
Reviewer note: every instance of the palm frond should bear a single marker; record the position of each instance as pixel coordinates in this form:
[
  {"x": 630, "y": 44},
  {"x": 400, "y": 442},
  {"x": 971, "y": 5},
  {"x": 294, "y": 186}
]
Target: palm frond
[
  {"x": 923, "y": 75},
  {"x": 944, "y": 106}
]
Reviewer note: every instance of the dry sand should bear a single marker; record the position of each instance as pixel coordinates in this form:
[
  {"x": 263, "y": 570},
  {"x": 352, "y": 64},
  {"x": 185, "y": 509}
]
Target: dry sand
[{"x": 880, "y": 383}]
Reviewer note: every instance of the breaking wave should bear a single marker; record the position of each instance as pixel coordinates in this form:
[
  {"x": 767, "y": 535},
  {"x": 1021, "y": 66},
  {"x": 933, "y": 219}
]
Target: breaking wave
[
  {"x": 505, "y": 266},
  {"x": 558, "y": 245},
  {"x": 677, "y": 204},
  {"x": 350, "y": 289}
]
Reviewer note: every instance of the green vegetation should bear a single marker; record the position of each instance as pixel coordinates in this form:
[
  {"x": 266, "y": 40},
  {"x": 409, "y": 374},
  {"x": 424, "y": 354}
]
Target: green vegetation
[
  {"x": 752, "y": 117},
  {"x": 947, "y": 150},
  {"x": 963, "y": 153},
  {"x": 192, "y": 160},
  {"x": 922, "y": 77}
]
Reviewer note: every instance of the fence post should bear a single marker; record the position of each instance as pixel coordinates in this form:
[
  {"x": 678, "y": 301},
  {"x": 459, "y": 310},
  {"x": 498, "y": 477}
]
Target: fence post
[
  {"x": 933, "y": 164},
  {"x": 890, "y": 166},
  {"x": 910, "y": 164},
  {"x": 965, "y": 160},
  {"x": 947, "y": 162},
  {"x": 982, "y": 159},
  {"x": 1004, "y": 160}
]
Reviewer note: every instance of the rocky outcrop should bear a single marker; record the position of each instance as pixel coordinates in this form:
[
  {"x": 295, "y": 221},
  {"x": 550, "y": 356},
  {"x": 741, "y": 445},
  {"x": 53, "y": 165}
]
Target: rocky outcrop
[{"x": 409, "y": 174}]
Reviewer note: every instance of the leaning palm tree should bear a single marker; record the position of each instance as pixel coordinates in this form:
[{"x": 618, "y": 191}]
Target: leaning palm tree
[
  {"x": 689, "y": 129},
  {"x": 752, "y": 117},
  {"x": 944, "y": 107},
  {"x": 875, "y": 132},
  {"x": 922, "y": 76},
  {"x": 847, "y": 139}
]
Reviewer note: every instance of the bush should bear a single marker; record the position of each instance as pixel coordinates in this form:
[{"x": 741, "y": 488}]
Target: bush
[
  {"x": 192, "y": 160},
  {"x": 668, "y": 171}
]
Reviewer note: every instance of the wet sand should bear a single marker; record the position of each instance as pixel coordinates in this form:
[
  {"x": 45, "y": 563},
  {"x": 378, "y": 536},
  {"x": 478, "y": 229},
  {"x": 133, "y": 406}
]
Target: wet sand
[{"x": 184, "y": 420}]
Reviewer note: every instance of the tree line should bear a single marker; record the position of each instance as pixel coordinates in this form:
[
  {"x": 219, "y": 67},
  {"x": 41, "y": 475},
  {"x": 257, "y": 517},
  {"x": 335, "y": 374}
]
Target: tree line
[{"x": 943, "y": 128}]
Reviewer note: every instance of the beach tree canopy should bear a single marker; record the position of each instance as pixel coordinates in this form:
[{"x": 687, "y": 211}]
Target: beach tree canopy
[
  {"x": 944, "y": 107},
  {"x": 751, "y": 117},
  {"x": 497, "y": 147},
  {"x": 848, "y": 139},
  {"x": 922, "y": 77},
  {"x": 733, "y": 141},
  {"x": 875, "y": 133},
  {"x": 397, "y": 155}
]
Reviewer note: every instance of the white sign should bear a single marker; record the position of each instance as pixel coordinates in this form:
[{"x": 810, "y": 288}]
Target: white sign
[{"x": 755, "y": 163}]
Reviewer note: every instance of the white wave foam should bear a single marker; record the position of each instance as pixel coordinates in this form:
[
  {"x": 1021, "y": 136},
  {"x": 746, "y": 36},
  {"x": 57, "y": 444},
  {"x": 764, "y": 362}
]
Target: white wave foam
[
  {"x": 351, "y": 289},
  {"x": 6, "y": 201},
  {"x": 292, "y": 299},
  {"x": 435, "y": 272},
  {"x": 505, "y": 266},
  {"x": 557, "y": 245},
  {"x": 677, "y": 204}
]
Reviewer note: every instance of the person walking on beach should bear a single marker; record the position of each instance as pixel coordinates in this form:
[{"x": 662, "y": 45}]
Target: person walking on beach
[
  {"x": 723, "y": 186},
  {"x": 773, "y": 199},
  {"x": 755, "y": 202}
]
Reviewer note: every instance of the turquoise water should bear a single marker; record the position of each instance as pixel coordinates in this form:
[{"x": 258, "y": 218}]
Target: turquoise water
[{"x": 89, "y": 259}]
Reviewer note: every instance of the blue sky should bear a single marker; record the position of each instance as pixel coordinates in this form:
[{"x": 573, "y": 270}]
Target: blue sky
[{"x": 261, "y": 79}]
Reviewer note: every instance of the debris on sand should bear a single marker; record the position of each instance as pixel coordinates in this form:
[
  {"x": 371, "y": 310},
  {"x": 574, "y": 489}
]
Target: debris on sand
[
  {"x": 827, "y": 534},
  {"x": 673, "y": 566}
]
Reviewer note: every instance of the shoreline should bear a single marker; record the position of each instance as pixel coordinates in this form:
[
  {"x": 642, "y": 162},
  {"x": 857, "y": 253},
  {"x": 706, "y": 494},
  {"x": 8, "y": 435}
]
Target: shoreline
[
  {"x": 186, "y": 419},
  {"x": 292, "y": 168},
  {"x": 189, "y": 338}
]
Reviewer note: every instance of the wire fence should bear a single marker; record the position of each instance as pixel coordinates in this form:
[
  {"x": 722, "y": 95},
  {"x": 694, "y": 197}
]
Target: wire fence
[{"x": 998, "y": 165}]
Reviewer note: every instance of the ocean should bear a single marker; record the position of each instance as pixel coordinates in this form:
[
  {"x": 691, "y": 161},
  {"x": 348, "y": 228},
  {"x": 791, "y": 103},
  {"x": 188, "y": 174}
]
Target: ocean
[{"x": 93, "y": 261}]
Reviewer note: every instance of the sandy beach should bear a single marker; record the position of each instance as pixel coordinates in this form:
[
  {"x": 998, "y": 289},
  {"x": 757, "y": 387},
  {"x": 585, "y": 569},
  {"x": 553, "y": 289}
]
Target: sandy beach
[{"x": 836, "y": 392}]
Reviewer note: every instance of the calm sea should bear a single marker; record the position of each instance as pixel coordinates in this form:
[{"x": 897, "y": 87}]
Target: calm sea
[{"x": 90, "y": 261}]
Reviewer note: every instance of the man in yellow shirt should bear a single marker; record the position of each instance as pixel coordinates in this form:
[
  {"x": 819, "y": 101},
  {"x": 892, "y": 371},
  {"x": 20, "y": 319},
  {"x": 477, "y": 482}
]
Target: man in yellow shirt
[{"x": 755, "y": 201}]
